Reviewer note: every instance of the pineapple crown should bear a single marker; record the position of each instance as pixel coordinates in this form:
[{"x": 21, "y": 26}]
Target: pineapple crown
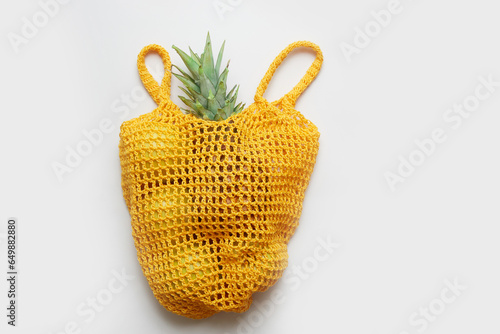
[{"x": 205, "y": 86}]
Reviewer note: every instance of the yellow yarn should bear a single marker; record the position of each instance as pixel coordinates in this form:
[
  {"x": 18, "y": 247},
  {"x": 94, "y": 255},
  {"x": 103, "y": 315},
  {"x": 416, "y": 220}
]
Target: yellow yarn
[{"x": 214, "y": 204}]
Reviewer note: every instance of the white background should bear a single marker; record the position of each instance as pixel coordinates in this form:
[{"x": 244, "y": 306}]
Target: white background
[{"x": 397, "y": 248}]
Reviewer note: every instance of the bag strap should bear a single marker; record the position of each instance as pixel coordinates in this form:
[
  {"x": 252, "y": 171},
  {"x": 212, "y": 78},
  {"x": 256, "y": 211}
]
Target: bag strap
[
  {"x": 311, "y": 73},
  {"x": 158, "y": 93}
]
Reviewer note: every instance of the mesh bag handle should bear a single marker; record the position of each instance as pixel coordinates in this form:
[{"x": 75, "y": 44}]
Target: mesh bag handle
[
  {"x": 311, "y": 73},
  {"x": 158, "y": 93}
]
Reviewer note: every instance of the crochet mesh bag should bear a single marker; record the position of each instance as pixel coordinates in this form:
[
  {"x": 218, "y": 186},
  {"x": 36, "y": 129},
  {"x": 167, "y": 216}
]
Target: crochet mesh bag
[{"x": 214, "y": 204}]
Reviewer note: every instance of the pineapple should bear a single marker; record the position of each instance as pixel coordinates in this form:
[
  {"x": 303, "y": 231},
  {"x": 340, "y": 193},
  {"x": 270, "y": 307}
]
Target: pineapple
[
  {"x": 207, "y": 98},
  {"x": 205, "y": 86}
]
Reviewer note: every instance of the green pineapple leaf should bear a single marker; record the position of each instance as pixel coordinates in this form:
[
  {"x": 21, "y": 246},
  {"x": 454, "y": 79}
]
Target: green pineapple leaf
[
  {"x": 188, "y": 61},
  {"x": 221, "y": 87},
  {"x": 219, "y": 58},
  {"x": 195, "y": 57},
  {"x": 185, "y": 75},
  {"x": 188, "y": 83},
  {"x": 208, "y": 62},
  {"x": 205, "y": 84}
]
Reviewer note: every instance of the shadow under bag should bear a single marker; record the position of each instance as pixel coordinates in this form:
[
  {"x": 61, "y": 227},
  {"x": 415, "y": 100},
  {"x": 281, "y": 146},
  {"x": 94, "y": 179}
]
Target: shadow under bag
[{"x": 214, "y": 204}]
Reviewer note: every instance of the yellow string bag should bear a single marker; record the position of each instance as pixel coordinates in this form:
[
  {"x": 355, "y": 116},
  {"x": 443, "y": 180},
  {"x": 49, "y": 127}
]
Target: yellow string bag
[{"x": 214, "y": 204}]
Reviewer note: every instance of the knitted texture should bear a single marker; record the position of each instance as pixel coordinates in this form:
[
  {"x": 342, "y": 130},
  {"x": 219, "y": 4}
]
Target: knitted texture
[{"x": 214, "y": 204}]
